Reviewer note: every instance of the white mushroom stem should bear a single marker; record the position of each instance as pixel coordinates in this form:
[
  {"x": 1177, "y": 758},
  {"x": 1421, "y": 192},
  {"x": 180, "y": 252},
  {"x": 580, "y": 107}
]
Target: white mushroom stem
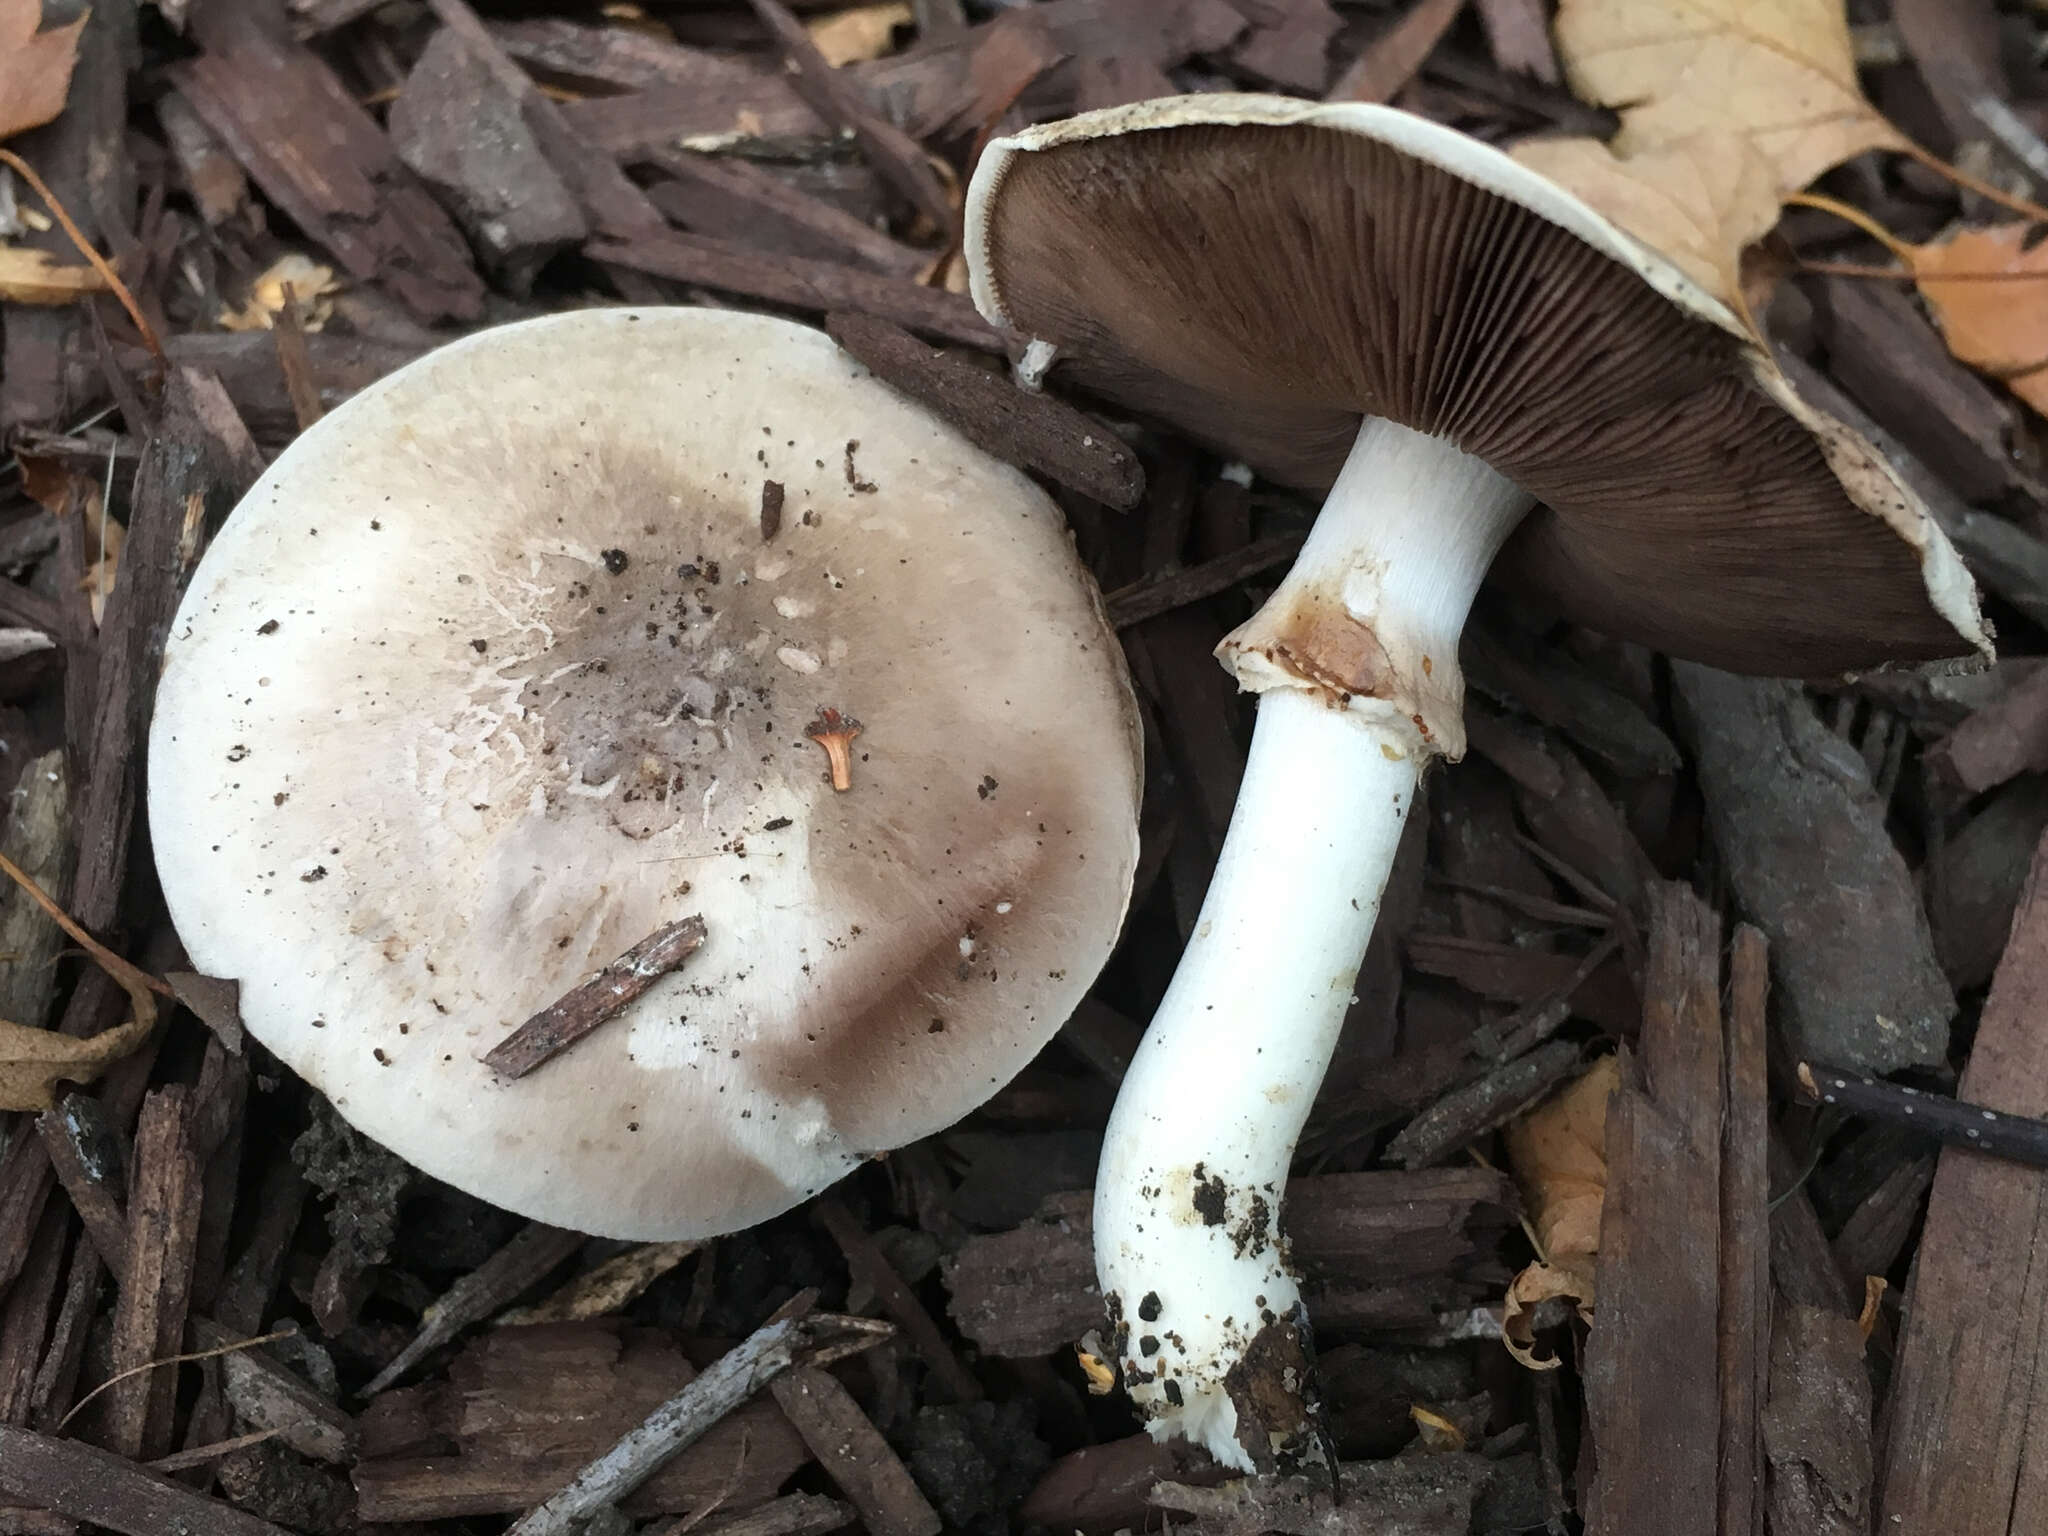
[{"x": 1187, "y": 1205}]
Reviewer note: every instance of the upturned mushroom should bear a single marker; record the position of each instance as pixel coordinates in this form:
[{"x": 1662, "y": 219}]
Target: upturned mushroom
[
  {"x": 1483, "y": 374},
  {"x": 585, "y": 625}
]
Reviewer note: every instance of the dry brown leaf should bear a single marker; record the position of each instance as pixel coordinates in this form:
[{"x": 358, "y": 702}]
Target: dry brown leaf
[
  {"x": 63, "y": 491},
  {"x": 1435, "y": 1433},
  {"x": 865, "y": 32},
  {"x": 1538, "y": 1283},
  {"x": 1697, "y": 202},
  {"x": 310, "y": 284},
  {"x": 35, "y": 67},
  {"x": 34, "y": 1061},
  {"x": 1779, "y": 73},
  {"x": 1558, "y": 1152},
  {"x": 1727, "y": 107},
  {"x": 36, "y": 277},
  {"x": 104, "y": 541},
  {"x": 53, "y": 484},
  {"x": 1997, "y": 326}
]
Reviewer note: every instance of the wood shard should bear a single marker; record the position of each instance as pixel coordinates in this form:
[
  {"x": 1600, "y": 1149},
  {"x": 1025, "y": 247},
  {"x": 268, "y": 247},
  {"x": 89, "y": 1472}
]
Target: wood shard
[
  {"x": 295, "y": 127},
  {"x": 854, "y": 1454},
  {"x": 1378, "y": 1251},
  {"x": 605, "y": 996},
  {"x": 86, "y": 1155},
  {"x": 149, "y": 1318},
  {"x": 801, "y": 283},
  {"x": 522, "y": 1409},
  {"x": 1162, "y": 591},
  {"x": 85, "y": 1483},
  {"x": 1030, "y": 430},
  {"x": 1412, "y": 1495},
  {"x": 496, "y": 1283},
  {"x": 1816, "y": 1425},
  {"x": 460, "y": 130},
  {"x": 835, "y": 96},
  {"x": 867, "y": 1262},
  {"x": 2008, "y": 737},
  {"x": 1852, "y": 959},
  {"x": 1745, "y": 1236},
  {"x": 1653, "y": 1397},
  {"x": 1970, "y": 1390}
]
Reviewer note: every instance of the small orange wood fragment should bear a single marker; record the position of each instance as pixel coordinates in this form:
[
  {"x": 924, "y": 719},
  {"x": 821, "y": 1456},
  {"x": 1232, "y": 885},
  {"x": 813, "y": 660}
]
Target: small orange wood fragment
[{"x": 835, "y": 732}]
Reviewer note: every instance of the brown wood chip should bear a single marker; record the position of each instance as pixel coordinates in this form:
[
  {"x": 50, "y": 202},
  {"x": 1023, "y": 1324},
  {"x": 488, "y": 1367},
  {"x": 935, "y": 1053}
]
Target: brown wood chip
[
  {"x": 835, "y": 97},
  {"x": 1392, "y": 58},
  {"x": 1745, "y": 1237},
  {"x": 1378, "y": 1250},
  {"x": 319, "y": 156},
  {"x": 149, "y": 1318},
  {"x": 522, "y": 1410},
  {"x": 1018, "y": 426},
  {"x": 1653, "y": 1398},
  {"x": 86, "y": 1483},
  {"x": 819, "y": 286},
  {"x": 1970, "y": 1389},
  {"x": 2006, "y": 738},
  {"x": 1163, "y": 591},
  {"x": 854, "y": 1454}
]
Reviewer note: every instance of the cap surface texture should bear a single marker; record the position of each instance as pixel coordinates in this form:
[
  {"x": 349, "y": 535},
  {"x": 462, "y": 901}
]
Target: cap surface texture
[
  {"x": 497, "y": 671},
  {"x": 1264, "y": 272}
]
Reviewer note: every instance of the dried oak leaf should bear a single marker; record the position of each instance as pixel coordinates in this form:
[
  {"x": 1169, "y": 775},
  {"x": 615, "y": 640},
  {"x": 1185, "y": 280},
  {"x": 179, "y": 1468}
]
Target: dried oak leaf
[
  {"x": 1558, "y": 1152},
  {"x": 35, "y": 67},
  {"x": 1697, "y": 201},
  {"x": 1727, "y": 106},
  {"x": 310, "y": 283},
  {"x": 1997, "y": 327},
  {"x": 63, "y": 491},
  {"x": 1781, "y": 75},
  {"x": 34, "y": 1061},
  {"x": 862, "y": 33},
  {"x": 1536, "y": 1284}
]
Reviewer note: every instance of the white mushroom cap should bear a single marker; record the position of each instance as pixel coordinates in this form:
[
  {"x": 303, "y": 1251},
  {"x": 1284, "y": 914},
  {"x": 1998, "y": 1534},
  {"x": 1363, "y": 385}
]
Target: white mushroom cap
[{"x": 494, "y": 673}]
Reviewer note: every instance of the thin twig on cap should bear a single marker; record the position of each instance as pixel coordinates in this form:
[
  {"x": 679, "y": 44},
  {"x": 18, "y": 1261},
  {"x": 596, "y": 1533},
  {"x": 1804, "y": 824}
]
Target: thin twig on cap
[
  {"x": 605, "y": 996},
  {"x": 717, "y": 1391},
  {"x": 2017, "y": 1138}
]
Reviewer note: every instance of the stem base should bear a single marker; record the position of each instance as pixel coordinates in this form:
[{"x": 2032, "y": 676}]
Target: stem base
[{"x": 1209, "y": 1331}]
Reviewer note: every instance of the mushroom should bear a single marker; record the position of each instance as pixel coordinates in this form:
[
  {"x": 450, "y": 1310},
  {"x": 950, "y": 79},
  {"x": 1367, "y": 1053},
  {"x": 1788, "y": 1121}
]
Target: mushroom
[
  {"x": 499, "y": 670},
  {"x": 1351, "y": 298}
]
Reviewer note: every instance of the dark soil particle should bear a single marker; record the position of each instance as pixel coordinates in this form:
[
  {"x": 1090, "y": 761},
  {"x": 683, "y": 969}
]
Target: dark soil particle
[
  {"x": 276, "y": 1484},
  {"x": 975, "y": 1462},
  {"x": 364, "y": 1181},
  {"x": 1211, "y": 1199}
]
